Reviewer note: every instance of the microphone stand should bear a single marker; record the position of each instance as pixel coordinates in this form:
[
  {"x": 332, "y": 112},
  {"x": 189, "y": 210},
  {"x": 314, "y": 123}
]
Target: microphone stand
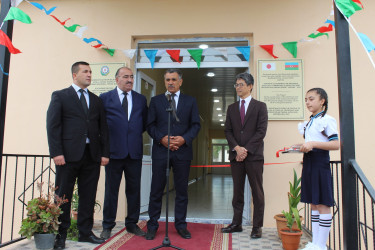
[{"x": 166, "y": 242}]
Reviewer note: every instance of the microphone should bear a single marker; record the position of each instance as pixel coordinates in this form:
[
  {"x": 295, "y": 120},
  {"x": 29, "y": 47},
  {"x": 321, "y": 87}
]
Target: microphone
[
  {"x": 168, "y": 95},
  {"x": 172, "y": 103}
]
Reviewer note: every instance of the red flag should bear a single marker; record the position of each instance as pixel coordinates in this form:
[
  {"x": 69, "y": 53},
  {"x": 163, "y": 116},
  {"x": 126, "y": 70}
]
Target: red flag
[
  {"x": 4, "y": 40},
  {"x": 269, "y": 49},
  {"x": 324, "y": 29},
  {"x": 175, "y": 54},
  {"x": 62, "y": 23}
]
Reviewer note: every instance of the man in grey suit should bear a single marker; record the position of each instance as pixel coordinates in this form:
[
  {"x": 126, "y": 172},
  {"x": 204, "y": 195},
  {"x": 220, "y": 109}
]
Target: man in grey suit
[
  {"x": 78, "y": 143},
  {"x": 245, "y": 129}
]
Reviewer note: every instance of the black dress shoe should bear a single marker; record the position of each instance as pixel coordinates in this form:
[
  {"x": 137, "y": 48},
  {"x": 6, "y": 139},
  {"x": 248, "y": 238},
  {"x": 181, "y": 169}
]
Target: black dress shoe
[
  {"x": 150, "y": 235},
  {"x": 134, "y": 229},
  {"x": 256, "y": 233},
  {"x": 106, "y": 233},
  {"x": 184, "y": 233},
  {"x": 91, "y": 239},
  {"x": 60, "y": 242},
  {"x": 232, "y": 228}
]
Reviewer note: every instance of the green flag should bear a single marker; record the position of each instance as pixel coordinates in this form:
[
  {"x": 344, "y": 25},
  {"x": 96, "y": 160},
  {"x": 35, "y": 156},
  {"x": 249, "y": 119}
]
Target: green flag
[
  {"x": 291, "y": 47},
  {"x": 312, "y": 35},
  {"x": 111, "y": 52},
  {"x": 196, "y": 54},
  {"x": 17, "y": 14},
  {"x": 72, "y": 28},
  {"x": 347, "y": 7}
]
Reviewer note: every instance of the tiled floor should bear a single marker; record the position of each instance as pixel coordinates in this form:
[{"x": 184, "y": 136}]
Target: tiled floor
[{"x": 209, "y": 202}]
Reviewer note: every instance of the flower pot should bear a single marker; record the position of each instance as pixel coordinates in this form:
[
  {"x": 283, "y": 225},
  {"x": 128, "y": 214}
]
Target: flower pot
[
  {"x": 290, "y": 239},
  {"x": 281, "y": 223},
  {"x": 44, "y": 241}
]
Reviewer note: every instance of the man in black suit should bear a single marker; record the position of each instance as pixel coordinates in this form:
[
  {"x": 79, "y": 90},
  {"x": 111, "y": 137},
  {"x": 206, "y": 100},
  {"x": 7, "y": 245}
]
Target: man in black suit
[
  {"x": 126, "y": 112},
  {"x": 245, "y": 129},
  {"x": 185, "y": 125},
  {"x": 78, "y": 143}
]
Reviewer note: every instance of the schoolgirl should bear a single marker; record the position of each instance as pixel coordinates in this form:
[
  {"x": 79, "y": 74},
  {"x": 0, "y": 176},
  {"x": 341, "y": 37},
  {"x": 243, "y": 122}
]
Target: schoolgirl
[{"x": 320, "y": 135}]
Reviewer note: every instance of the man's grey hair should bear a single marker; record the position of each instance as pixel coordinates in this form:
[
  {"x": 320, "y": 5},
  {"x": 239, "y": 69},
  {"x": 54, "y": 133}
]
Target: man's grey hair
[
  {"x": 118, "y": 71},
  {"x": 248, "y": 78},
  {"x": 170, "y": 71}
]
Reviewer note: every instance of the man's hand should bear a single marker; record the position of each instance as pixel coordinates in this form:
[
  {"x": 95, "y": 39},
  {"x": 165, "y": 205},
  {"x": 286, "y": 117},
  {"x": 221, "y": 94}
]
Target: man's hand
[
  {"x": 104, "y": 161},
  {"x": 175, "y": 142},
  {"x": 164, "y": 141},
  {"x": 59, "y": 160},
  {"x": 241, "y": 153}
]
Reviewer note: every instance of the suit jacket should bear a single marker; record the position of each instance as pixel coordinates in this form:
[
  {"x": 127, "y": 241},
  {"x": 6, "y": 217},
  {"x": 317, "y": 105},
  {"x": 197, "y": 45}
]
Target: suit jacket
[
  {"x": 251, "y": 134},
  {"x": 188, "y": 127},
  {"x": 68, "y": 126},
  {"x": 125, "y": 136}
]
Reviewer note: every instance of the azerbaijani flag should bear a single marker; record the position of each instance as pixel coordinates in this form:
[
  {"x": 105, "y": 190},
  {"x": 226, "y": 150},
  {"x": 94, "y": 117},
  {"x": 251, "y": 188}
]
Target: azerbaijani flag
[{"x": 291, "y": 66}]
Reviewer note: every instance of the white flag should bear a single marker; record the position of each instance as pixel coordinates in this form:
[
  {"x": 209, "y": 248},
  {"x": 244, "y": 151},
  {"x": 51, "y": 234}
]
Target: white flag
[
  {"x": 129, "y": 53},
  {"x": 268, "y": 66}
]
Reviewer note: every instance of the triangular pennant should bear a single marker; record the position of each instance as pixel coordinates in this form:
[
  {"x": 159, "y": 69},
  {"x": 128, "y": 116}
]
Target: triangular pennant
[
  {"x": 347, "y": 7},
  {"x": 366, "y": 42},
  {"x": 111, "y": 52},
  {"x": 41, "y": 7},
  {"x": 358, "y": 2},
  {"x": 291, "y": 47},
  {"x": 269, "y": 49},
  {"x": 129, "y": 53},
  {"x": 79, "y": 33},
  {"x": 72, "y": 28},
  {"x": 17, "y": 14},
  {"x": 15, "y": 3},
  {"x": 330, "y": 22},
  {"x": 325, "y": 29},
  {"x": 4, "y": 40},
  {"x": 312, "y": 35},
  {"x": 161, "y": 52},
  {"x": 89, "y": 40},
  {"x": 245, "y": 51},
  {"x": 151, "y": 53},
  {"x": 196, "y": 54},
  {"x": 223, "y": 51},
  {"x": 62, "y": 23},
  {"x": 175, "y": 54}
]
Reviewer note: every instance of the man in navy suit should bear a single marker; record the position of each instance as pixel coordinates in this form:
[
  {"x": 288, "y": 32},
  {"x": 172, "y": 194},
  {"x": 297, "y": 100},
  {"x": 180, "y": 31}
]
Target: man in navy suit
[
  {"x": 78, "y": 143},
  {"x": 126, "y": 112},
  {"x": 185, "y": 126}
]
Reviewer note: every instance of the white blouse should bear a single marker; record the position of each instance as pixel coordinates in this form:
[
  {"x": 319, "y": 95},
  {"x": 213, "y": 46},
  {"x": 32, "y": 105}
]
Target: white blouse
[{"x": 319, "y": 128}]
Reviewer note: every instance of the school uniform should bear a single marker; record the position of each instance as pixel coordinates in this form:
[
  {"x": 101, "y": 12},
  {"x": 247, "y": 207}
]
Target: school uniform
[{"x": 316, "y": 183}]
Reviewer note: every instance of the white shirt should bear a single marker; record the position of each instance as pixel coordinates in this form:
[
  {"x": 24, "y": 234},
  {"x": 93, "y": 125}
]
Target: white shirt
[
  {"x": 129, "y": 98},
  {"x": 85, "y": 92},
  {"x": 247, "y": 102},
  {"x": 176, "y": 97},
  {"x": 319, "y": 128}
]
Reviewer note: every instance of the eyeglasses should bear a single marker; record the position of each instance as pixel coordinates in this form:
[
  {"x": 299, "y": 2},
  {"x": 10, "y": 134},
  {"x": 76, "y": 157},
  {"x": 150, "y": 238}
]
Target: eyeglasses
[{"x": 238, "y": 85}]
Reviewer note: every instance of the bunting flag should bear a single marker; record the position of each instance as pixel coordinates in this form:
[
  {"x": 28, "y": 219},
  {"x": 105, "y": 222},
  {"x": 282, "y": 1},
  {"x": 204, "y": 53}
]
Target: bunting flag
[
  {"x": 348, "y": 7},
  {"x": 330, "y": 22},
  {"x": 175, "y": 54},
  {"x": 196, "y": 54},
  {"x": 325, "y": 29},
  {"x": 358, "y": 2},
  {"x": 151, "y": 53},
  {"x": 312, "y": 35},
  {"x": 5, "y": 73},
  {"x": 291, "y": 47},
  {"x": 15, "y": 3},
  {"x": 129, "y": 53},
  {"x": 245, "y": 51},
  {"x": 72, "y": 28},
  {"x": 80, "y": 32},
  {"x": 62, "y": 23},
  {"x": 90, "y": 40},
  {"x": 269, "y": 49},
  {"x": 111, "y": 52},
  {"x": 4, "y": 40},
  {"x": 17, "y": 14},
  {"x": 161, "y": 52},
  {"x": 223, "y": 51},
  {"x": 41, "y": 7},
  {"x": 366, "y": 42}
]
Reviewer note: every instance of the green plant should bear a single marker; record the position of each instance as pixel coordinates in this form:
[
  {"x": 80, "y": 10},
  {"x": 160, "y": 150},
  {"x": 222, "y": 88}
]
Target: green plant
[
  {"x": 75, "y": 200},
  {"x": 73, "y": 231},
  {"x": 42, "y": 213}
]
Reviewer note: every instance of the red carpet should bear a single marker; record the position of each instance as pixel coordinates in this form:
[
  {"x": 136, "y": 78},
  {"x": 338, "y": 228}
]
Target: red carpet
[{"x": 203, "y": 237}]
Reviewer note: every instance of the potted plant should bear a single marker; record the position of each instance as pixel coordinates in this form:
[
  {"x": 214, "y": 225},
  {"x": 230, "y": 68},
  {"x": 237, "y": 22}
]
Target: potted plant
[
  {"x": 42, "y": 218},
  {"x": 290, "y": 237},
  {"x": 75, "y": 201},
  {"x": 294, "y": 197}
]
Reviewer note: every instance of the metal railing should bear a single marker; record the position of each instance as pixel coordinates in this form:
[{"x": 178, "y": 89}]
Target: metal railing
[
  {"x": 365, "y": 206},
  {"x": 19, "y": 175}
]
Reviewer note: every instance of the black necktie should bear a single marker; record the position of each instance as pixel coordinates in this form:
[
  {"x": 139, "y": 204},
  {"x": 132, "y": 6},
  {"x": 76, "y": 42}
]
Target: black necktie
[
  {"x": 83, "y": 101},
  {"x": 174, "y": 109},
  {"x": 125, "y": 103}
]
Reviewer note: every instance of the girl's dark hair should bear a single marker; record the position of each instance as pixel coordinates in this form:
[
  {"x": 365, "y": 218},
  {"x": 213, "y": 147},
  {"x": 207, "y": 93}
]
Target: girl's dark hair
[{"x": 323, "y": 95}]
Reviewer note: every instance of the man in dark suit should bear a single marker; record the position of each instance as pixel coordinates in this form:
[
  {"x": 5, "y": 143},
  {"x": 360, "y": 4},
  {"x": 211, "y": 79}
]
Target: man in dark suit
[
  {"x": 78, "y": 142},
  {"x": 245, "y": 129},
  {"x": 185, "y": 125},
  {"x": 126, "y": 112}
]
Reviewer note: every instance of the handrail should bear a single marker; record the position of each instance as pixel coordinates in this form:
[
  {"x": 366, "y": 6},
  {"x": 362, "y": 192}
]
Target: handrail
[{"x": 367, "y": 185}]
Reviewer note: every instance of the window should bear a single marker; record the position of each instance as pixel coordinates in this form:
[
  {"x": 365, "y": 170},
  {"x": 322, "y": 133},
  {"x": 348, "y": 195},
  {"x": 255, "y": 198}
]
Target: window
[{"x": 220, "y": 151}]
